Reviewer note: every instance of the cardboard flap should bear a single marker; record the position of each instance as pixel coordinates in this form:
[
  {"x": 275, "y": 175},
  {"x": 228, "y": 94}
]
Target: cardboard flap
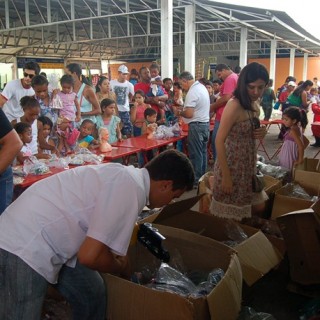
[
  {"x": 257, "y": 257},
  {"x": 230, "y": 288},
  {"x": 177, "y": 208}
]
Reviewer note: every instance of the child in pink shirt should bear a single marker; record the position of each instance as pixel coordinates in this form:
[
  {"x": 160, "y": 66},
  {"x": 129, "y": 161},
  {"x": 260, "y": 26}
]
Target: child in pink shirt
[{"x": 71, "y": 106}]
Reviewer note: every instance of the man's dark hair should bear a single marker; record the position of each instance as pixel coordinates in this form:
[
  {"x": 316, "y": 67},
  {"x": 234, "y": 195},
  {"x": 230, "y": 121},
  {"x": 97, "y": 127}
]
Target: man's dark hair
[
  {"x": 172, "y": 165},
  {"x": 32, "y": 66},
  {"x": 222, "y": 66}
]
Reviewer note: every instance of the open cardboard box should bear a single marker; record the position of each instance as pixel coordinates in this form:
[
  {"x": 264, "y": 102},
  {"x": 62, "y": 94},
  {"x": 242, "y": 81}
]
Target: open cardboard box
[
  {"x": 308, "y": 175},
  {"x": 130, "y": 301},
  {"x": 284, "y": 204},
  {"x": 301, "y": 232},
  {"x": 256, "y": 254}
]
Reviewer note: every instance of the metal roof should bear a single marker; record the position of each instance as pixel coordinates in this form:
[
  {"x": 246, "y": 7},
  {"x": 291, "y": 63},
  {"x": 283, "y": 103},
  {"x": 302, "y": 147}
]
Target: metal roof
[{"x": 130, "y": 30}]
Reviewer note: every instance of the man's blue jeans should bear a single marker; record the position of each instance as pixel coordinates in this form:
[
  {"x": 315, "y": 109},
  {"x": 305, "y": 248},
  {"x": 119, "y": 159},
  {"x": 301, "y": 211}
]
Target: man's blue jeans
[
  {"x": 213, "y": 139},
  {"x": 22, "y": 290},
  {"x": 6, "y": 188},
  {"x": 198, "y": 137}
]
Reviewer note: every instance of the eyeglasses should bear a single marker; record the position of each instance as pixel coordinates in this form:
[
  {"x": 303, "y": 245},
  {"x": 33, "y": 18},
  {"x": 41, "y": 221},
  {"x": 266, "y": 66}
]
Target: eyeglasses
[{"x": 28, "y": 75}]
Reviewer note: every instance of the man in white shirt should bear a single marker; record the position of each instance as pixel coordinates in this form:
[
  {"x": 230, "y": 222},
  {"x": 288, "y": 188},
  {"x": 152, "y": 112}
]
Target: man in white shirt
[
  {"x": 196, "y": 113},
  {"x": 124, "y": 92},
  {"x": 67, "y": 228},
  {"x": 16, "y": 89}
]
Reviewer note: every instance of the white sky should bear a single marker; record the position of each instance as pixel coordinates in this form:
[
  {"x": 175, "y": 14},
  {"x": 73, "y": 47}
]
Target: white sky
[{"x": 305, "y": 14}]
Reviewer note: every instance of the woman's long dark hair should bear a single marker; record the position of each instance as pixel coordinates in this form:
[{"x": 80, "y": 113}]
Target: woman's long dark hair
[
  {"x": 250, "y": 73},
  {"x": 99, "y": 83},
  {"x": 297, "y": 92}
]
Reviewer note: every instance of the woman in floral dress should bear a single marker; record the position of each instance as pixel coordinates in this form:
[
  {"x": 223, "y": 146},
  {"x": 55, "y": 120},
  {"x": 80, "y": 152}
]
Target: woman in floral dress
[{"x": 236, "y": 153}]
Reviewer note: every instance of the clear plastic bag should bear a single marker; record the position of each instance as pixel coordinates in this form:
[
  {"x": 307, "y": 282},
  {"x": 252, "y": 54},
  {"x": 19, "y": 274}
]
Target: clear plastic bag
[
  {"x": 33, "y": 166},
  {"x": 273, "y": 171},
  {"x": 248, "y": 313},
  {"x": 296, "y": 191},
  {"x": 172, "y": 279},
  {"x": 235, "y": 232},
  {"x": 59, "y": 162},
  {"x": 57, "y": 102},
  {"x": 83, "y": 155}
]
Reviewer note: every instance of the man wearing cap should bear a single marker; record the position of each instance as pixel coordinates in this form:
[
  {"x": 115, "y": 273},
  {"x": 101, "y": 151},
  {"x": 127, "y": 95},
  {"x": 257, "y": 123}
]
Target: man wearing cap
[
  {"x": 16, "y": 89},
  {"x": 124, "y": 92},
  {"x": 283, "y": 96}
]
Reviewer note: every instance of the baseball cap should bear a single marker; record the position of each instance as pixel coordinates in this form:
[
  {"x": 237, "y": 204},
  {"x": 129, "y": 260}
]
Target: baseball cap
[
  {"x": 123, "y": 69},
  {"x": 292, "y": 83}
]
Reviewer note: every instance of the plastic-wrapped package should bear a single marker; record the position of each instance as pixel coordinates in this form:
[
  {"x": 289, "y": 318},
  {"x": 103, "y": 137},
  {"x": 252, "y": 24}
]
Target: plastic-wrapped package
[
  {"x": 172, "y": 279},
  {"x": 164, "y": 132},
  {"x": 33, "y": 166},
  {"x": 215, "y": 276},
  {"x": 59, "y": 162},
  {"x": 83, "y": 155},
  {"x": 248, "y": 313},
  {"x": 57, "y": 102},
  {"x": 235, "y": 232},
  {"x": 273, "y": 171},
  {"x": 206, "y": 287},
  {"x": 296, "y": 191}
]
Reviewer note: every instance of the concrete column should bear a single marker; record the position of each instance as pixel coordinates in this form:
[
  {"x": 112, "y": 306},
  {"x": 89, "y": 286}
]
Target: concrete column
[
  {"x": 273, "y": 57},
  {"x": 305, "y": 67},
  {"x": 243, "y": 48},
  {"x": 291, "y": 66},
  {"x": 189, "y": 40},
  {"x": 166, "y": 39}
]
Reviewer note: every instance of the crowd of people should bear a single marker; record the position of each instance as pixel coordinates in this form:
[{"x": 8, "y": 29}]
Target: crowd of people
[{"x": 66, "y": 229}]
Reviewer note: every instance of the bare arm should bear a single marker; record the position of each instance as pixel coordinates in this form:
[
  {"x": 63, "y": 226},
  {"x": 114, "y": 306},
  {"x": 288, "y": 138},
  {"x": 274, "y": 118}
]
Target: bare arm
[
  {"x": 186, "y": 112},
  {"x": 97, "y": 256},
  {"x": 133, "y": 113},
  {"x": 10, "y": 146},
  {"x": 2, "y": 100},
  {"x": 220, "y": 102},
  {"x": 295, "y": 134},
  {"x": 78, "y": 112},
  {"x": 92, "y": 98},
  {"x": 304, "y": 99},
  {"x": 118, "y": 130}
]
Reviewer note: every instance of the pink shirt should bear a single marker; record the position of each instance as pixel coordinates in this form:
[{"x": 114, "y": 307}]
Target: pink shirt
[
  {"x": 69, "y": 108},
  {"x": 227, "y": 87}
]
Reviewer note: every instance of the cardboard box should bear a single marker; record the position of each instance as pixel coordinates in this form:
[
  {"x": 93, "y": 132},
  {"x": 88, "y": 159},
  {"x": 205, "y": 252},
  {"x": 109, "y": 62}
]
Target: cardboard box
[
  {"x": 271, "y": 184},
  {"x": 284, "y": 204},
  {"x": 301, "y": 232},
  {"x": 256, "y": 254},
  {"x": 130, "y": 301},
  {"x": 270, "y": 229},
  {"x": 308, "y": 175}
]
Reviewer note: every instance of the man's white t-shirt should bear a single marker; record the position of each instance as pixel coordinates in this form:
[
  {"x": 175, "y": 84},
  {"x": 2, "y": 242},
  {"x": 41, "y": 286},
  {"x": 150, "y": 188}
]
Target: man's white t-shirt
[
  {"x": 13, "y": 92},
  {"x": 122, "y": 91},
  {"x": 47, "y": 224},
  {"x": 198, "y": 98}
]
